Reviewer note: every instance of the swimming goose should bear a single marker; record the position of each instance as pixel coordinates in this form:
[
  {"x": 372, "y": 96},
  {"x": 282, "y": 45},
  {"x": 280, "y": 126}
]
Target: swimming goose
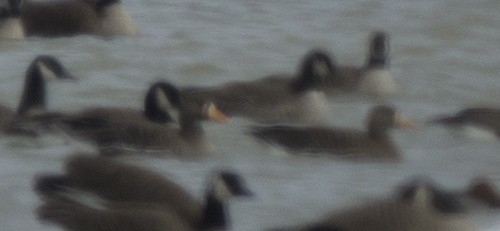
[
  {"x": 374, "y": 143},
  {"x": 274, "y": 99},
  {"x": 166, "y": 125},
  {"x": 33, "y": 103},
  {"x": 483, "y": 118},
  {"x": 134, "y": 198},
  {"x": 74, "y": 17},
  {"x": 373, "y": 78},
  {"x": 417, "y": 206},
  {"x": 10, "y": 20}
]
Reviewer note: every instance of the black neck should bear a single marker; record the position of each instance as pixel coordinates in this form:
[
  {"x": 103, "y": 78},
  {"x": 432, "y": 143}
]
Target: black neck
[
  {"x": 33, "y": 91},
  {"x": 214, "y": 216},
  {"x": 102, "y": 4},
  {"x": 377, "y": 61}
]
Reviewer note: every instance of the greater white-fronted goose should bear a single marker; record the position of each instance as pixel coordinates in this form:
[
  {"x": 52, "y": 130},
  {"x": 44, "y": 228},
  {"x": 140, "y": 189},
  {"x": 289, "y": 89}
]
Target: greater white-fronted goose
[
  {"x": 74, "y": 17},
  {"x": 134, "y": 198},
  {"x": 274, "y": 99},
  {"x": 373, "y": 144}
]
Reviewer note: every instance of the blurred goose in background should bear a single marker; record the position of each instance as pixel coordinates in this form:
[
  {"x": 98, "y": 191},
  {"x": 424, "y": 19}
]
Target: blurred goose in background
[
  {"x": 167, "y": 124},
  {"x": 373, "y": 144},
  {"x": 74, "y": 17},
  {"x": 277, "y": 98},
  {"x": 32, "y": 106},
  {"x": 133, "y": 198},
  {"x": 481, "y": 193},
  {"x": 474, "y": 122},
  {"x": 10, "y": 20},
  {"x": 373, "y": 78},
  {"x": 419, "y": 205}
]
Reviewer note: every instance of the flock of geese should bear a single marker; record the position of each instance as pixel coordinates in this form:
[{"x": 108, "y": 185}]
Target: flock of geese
[{"x": 290, "y": 111}]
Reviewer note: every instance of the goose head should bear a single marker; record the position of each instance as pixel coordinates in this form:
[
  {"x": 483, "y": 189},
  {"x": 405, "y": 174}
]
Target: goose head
[
  {"x": 43, "y": 68},
  {"x": 222, "y": 186},
  {"x": 382, "y": 118},
  {"x": 379, "y": 49},
  {"x": 163, "y": 104},
  {"x": 316, "y": 66}
]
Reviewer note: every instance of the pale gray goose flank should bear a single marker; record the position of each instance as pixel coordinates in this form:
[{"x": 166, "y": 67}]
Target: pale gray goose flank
[
  {"x": 106, "y": 18},
  {"x": 276, "y": 98},
  {"x": 373, "y": 78},
  {"x": 134, "y": 198},
  {"x": 419, "y": 205},
  {"x": 373, "y": 144},
  {"x": 167, "y": 125},
  {"x": 10, "y": 20},
  {"x": 32, "y": 106}
]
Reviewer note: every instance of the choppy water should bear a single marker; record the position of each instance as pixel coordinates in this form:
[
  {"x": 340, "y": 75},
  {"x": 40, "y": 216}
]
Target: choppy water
[{"x": 444, "y": 54}]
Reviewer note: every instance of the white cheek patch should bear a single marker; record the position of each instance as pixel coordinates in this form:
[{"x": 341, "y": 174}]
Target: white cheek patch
[
  {"x": 422, "y": 199},
  {"x": 165, "y": 105},
  {"x": 321, "y": 69},
  {"x": 221, "y": 190},
  {"x": 47, "y": 73}
]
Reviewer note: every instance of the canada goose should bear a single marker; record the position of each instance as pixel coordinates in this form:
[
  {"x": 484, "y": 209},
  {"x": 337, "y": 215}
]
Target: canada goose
[
  {"x": 74, "y": 17},
  {"x": 417, "y": 206},
  {"x": 135, "y": 198},
  {"x": 483, "y": 118},
  {"x": 375, "y": 143},
  {"x": 373, "y": 78},
  {"x": 482, "y": 193},
  {"x": 275, "y": 98},
  {"x": 33, "y": 103},
  {"x": 166, "y": 125},
  {"x": 10, "y": 20}
]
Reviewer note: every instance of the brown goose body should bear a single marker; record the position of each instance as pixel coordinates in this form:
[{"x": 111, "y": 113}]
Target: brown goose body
[
  {"x": 274, "y": 99},
  {"x": 135, "y": 198},
  {"x": 418, "y": 207},
  {"x": 483, "y": 117},
  {"x": 165, "y": 126},
  {"x": 372, "y": 79},
  {"x": 31, "y": 111},
  {"x": 375, "y": 143},
  {"x": 75, "y": 17}
]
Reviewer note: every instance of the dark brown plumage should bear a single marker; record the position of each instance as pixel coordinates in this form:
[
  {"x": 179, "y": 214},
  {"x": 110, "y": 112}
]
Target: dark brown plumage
[
  {"x": 135, "y": 198},
  {"x": 373, "y": 78},
  {"x": 31, "y": 111},
  {"x": 418, "y": 206},
  {"x": 75, "y": 17},
  {"x": 374, "y": 143},
  {"x": 483, "y": 117},
  {"x": 274, "y": 99},
  {"x": 167, "y": 125}
]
